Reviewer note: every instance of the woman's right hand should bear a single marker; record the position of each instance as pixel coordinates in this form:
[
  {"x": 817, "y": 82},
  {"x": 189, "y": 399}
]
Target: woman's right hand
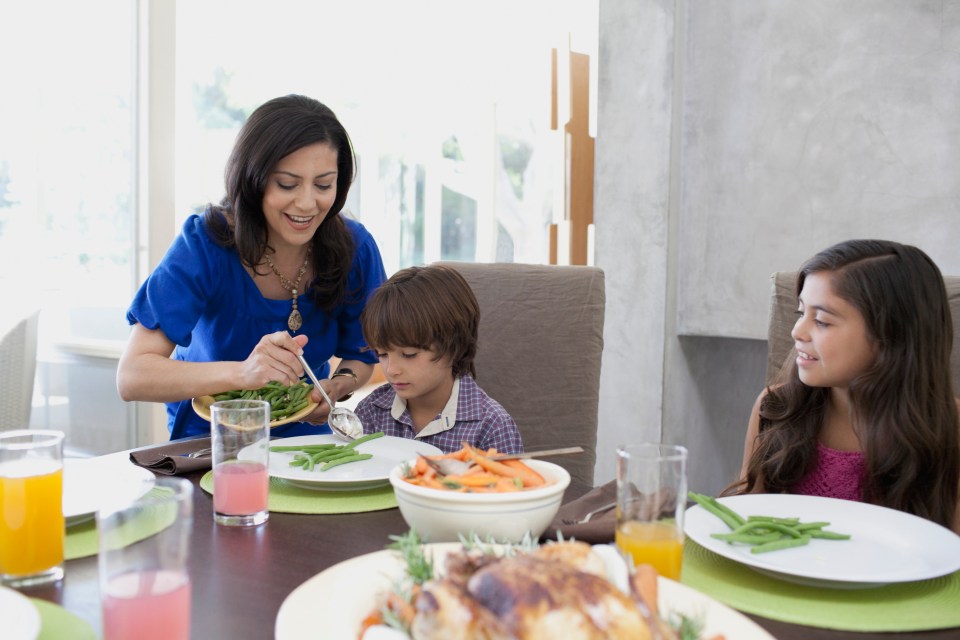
[{"x": 273, "y": 359}]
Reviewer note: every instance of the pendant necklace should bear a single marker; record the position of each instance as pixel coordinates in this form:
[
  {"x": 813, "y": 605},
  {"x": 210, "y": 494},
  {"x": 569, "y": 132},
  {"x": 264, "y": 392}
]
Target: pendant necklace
[{"x": 295, "y": 321}]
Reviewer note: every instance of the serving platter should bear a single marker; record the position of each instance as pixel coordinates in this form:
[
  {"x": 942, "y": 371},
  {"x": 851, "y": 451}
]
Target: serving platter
[
  {"x": 886, "y": 546},
  {"x": 360, "y": 581},
  {"x": 92, "y": 483},
  {"x": 387, "y": 451},
  {"x": 21, "y": 620},
  {"x": 201, "y": 405}
]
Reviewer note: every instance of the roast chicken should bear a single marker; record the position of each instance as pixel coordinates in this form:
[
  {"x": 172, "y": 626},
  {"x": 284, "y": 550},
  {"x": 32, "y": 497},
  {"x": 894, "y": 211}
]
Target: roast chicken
[{"x": 557, "y": 591}]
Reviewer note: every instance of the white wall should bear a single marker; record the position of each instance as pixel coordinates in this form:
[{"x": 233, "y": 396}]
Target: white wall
[{"x": 738, "y": 138}]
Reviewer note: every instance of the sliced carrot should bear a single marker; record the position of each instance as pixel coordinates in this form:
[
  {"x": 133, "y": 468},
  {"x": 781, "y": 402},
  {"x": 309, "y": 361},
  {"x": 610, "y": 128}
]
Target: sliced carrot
[
  {"x": 372, "y": 619},
  {"x": 433, "y": 483},
  {"x": 475, "y": 480},
  {"x": 645, "y": 582},
  {"x": 506, "y": 485},
  {"x": 495, "y": 467},
  {"x": 530, "y": 477},
  {"x": 420, "y": 467}
]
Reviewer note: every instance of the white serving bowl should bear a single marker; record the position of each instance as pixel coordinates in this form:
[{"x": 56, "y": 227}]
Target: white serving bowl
[{"x": 441, "y": 516}]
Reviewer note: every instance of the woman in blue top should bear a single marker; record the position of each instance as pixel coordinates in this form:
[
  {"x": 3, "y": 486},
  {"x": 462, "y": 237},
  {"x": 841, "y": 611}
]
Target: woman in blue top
[{"x": 273, "y": 270}]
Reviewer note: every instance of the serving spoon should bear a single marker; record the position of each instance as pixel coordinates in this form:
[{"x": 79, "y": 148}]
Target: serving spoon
[
  {"x": 343, "y": 422},
  {"x": 454, "y": 467}
]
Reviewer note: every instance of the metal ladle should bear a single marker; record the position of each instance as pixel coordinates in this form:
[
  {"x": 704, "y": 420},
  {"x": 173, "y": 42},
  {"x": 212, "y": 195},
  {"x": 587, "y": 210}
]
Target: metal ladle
[{"x": 343, "y": 422}]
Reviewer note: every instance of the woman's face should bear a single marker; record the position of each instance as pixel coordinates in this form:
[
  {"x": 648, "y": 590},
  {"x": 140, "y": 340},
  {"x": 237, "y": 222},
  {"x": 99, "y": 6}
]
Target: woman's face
[
  {"x": 300, "y": 191},
  {"x": 830, "y": 335}
]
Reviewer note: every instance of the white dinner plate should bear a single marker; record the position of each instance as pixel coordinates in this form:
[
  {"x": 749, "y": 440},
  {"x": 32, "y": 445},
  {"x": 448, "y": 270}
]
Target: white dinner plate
[
  {"x": 388, "y": 452},
  {"x": 91, "y": 483},
  {"x": 886, "y": 546},
  {"x": 360, "y": 581},
  {"x": 21, "y": 620}
]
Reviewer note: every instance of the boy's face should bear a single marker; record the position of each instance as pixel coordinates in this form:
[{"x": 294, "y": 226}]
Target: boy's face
[{"x": 415, "y": 374}]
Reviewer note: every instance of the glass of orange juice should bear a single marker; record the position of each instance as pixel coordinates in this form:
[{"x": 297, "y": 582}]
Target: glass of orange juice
[
  {"x": 651, "y": 496},
  {"x": 31, "y": 507}
]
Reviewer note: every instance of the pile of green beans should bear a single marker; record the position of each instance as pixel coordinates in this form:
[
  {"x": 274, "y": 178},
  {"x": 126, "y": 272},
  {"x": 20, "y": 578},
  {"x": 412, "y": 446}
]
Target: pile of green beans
[
  {"x": 324, "y": 457},
  {"x": 284, "y": 401},
  {"x": 764, "y": 533}
]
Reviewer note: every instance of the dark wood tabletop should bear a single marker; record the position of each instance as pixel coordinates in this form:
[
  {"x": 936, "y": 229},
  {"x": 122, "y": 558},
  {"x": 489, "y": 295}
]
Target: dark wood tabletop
[{"x": 241, "y": 576}]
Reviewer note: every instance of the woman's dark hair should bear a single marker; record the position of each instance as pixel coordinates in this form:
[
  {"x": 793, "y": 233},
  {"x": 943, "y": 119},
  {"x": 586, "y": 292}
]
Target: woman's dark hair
[
  {"x": 904, "y": 411},
  {"x": 275, "y": 130},
  {"x": 429, "y": 307}
]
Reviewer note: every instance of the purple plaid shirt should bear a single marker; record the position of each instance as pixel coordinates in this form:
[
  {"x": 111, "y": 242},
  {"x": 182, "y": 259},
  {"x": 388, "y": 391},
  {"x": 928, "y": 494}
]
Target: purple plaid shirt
[{"x": 480, "y": 420}]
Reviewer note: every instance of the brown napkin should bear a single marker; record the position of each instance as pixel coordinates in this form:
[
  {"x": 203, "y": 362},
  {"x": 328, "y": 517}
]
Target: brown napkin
[
  {"x": 170, "y": 459},
  {"x": 601, "y": 527}
]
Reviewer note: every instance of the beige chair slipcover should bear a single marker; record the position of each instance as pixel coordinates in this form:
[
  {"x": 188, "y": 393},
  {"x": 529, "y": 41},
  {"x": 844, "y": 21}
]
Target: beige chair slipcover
[{"x": 540, "y": 344}]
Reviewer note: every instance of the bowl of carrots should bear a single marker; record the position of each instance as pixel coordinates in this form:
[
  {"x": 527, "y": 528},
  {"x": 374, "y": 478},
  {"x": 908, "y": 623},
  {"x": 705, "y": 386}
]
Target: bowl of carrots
[{"x": 500, "y": 500}]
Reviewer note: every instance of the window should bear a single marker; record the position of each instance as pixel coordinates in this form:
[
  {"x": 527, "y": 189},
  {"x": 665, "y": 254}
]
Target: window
[
  {"x": 447, "y": 103},
  {"x": 67, "y": 192}
]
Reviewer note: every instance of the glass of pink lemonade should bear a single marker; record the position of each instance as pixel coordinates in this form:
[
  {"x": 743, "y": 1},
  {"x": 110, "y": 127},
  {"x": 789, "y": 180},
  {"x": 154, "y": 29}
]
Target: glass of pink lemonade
[
  {"x": 240, "y": 438},
  {"x": 651, "y": 496},
  {"x": 31, "y": 507},
  {"x": 144, "y": 550}
]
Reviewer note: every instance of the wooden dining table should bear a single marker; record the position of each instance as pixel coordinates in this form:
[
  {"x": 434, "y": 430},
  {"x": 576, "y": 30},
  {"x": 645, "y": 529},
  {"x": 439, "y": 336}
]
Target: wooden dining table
[{"x": 241, "y": 576}]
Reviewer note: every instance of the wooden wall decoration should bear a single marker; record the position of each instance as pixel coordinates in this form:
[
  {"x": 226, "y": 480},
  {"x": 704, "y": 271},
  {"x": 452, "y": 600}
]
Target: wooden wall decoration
[{"x": 578, "y": 163}]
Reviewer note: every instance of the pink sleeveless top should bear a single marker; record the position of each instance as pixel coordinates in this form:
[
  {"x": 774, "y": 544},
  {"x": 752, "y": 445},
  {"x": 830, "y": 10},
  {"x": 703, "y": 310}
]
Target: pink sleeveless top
[{"x": 837, "y": 474}]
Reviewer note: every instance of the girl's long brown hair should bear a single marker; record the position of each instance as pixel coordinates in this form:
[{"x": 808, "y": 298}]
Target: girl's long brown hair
[
  {"x": 274, "y": 130},
  {"x": 903, "y": 406}
]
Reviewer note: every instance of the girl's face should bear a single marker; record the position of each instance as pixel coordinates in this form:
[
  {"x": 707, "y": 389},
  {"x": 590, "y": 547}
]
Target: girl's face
[
  {"x": 830, "y": 335},
  {"x": 300, "y": 191},
  {"x": 416, "y": 375}
]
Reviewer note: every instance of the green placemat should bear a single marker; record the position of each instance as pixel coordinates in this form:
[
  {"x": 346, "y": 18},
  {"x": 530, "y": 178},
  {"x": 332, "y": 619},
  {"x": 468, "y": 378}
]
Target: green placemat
[
  {"x": 56, "y": 623},
  {"x": 286, "y": 498},
  {"x": 82, "y": 539},
  {"x": 907, "y": 606}
]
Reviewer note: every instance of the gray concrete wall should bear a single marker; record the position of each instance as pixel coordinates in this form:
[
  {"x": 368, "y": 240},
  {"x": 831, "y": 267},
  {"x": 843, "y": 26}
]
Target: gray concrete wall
[{"x": 738, "y": 138}]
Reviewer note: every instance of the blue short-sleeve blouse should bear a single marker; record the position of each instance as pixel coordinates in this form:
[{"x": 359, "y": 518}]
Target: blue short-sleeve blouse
[{"x": 205, "y": 302}]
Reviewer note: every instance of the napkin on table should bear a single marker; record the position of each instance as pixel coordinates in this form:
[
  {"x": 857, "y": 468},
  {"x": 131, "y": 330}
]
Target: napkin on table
[
  {"x": 599, "y": 530},
  {"x": 171, "y": 459}
]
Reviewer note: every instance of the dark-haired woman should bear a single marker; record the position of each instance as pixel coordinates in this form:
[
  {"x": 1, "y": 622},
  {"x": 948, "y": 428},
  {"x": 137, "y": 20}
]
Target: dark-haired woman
[
  {"x": 866, "y": 410},
  {"x": 273, "y": 270}
]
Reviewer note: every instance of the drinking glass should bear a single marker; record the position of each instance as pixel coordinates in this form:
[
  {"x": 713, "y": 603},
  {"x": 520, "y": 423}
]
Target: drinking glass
[
  {"x": 240, "y": 431},
  {"x": 651, "y": 496},
  {"x": 143, "y": 553},
  {"x": 31, "y": 507}
]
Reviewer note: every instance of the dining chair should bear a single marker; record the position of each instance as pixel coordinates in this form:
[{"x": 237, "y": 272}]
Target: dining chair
[
  {"x": 539, "y": 351},
  {"x": 18, "y": 364},
  {"x": 783, "y": 315}
]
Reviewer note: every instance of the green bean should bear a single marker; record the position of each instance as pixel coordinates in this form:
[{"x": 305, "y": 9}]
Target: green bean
[
  {"x": 827, "y": 535},
  {"x": 806, "y": 526},
  {"x": 786, "y": 521},
  {"x": 782, "y": 543},
  {"x": 306, "y": 447},
  {"x": 368, "y": 437},
  {"x": 728, "y": 515},
  {"x": 748, "y": 538},
  {"x": 354, "y": 458}
]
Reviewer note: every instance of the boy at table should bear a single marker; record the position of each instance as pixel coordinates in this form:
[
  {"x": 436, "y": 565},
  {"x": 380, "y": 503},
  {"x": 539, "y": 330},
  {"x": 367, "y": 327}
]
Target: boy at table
[{"x": 422, "y": 324}]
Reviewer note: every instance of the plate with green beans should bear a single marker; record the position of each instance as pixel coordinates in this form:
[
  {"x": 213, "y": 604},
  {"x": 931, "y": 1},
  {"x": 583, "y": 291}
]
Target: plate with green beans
[
  {"x": 326, "y": 463},
  {"x": 822, "y": 542},
  {"x": 287, "y": 403}
]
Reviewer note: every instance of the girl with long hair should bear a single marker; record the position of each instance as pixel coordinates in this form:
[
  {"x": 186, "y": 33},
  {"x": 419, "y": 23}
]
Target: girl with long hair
[{"x": 865, "y": 410}]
